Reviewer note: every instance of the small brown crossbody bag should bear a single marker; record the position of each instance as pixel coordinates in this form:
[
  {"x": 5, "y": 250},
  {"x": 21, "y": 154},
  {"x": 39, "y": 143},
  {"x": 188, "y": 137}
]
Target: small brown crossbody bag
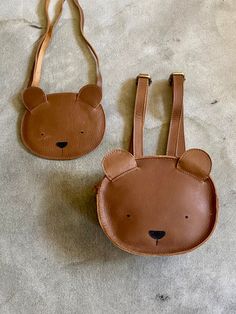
[
  {"x": 158, "y": 205},
  {"x": 62, "y": 125}
]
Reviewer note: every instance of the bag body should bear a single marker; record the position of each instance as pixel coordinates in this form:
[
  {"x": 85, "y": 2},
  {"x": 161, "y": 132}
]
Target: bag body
[
  {"x": 62, "y": 125},
  {"x": 157, "y": 205}
]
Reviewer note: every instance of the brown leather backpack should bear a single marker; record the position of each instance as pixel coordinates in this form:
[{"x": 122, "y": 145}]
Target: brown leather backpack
[
  {"x": 158, "y": 205},
  {"x": 62, "y": 125}
]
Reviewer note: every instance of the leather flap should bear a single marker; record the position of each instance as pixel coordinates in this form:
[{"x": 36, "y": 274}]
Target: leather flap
[
  {"x": 33, "y": 97},
  {"x": 91, "y": 94},
  {"x": 196, "y": 162},
  {"x": 118, "y": 162}
]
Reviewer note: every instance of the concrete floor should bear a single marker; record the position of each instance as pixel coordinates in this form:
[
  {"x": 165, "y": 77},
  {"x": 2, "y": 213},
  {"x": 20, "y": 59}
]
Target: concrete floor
[{"x": 54, "y": 258}]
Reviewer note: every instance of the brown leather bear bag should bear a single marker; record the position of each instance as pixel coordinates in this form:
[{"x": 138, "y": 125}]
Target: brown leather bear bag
[
  {"x": 62, "y": 125},
  {"x": 158, "y": 205}
]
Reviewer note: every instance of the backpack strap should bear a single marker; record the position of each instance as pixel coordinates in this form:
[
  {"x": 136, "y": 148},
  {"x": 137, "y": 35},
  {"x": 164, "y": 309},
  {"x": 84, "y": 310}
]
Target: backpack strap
[
  {"x": 46, "y": 38},
  {"x": 143, "y": 82},
  {"x": 176, "y": 139}
]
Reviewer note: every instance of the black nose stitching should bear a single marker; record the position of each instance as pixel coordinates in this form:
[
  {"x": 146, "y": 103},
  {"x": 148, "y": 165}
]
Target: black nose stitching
[
  {"x": 61, "y": 144},
  {"x": 157, "y": 235}
]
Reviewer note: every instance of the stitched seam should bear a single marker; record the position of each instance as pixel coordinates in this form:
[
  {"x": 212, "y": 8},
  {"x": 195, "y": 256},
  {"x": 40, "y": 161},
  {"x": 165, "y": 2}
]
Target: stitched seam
[
  {"x": 122, "y": 174},
  {"x": 157, "y": 157},
  {"x": 192, "y": 175},
  {"x": 154, "y": 157},
  {"x": 200, "y": 150}
]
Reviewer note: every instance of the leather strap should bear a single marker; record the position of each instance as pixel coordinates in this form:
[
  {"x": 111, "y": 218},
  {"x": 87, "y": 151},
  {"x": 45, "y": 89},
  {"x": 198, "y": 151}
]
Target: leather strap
[
  {"x": 143, "y": 82},
  {"x": 46, "y": 38},
  {"x": 176, "y": 139}
]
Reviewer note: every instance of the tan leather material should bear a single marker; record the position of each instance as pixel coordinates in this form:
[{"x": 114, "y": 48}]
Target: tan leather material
[
  {"x": 33, "y": 97},
  {"x": 63, "y": 125},
  {"x": 91, "y": 94},
  {"x": 197, "y": 162},
  {"x": 160, "y": 205},
  {"x": 139, "y": 115},
  {"x": 176, "y": 140},
  {"x": 118, "y": 162}
]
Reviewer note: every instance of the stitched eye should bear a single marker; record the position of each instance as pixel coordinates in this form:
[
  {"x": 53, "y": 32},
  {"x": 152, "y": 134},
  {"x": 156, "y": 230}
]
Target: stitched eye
[{"x": 42, "y": 133}]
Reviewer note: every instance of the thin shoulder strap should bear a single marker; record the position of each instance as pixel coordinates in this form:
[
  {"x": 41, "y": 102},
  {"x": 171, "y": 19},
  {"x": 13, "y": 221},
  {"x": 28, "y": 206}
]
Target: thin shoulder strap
[
  {"x": 143, "y": 82},
  {"x": 44, "y": 43},
  {"x": 176, "y": 139},
  {"x": 46, "y": 38}
]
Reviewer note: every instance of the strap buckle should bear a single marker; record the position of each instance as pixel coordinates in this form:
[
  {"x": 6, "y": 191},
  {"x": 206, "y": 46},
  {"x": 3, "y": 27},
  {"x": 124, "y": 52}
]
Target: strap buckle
[
  {"x": 146, "y": 76},
  {"x": 175, "y": 73}
]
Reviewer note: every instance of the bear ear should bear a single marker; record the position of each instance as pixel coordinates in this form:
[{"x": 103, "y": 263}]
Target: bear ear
[
  {"x": 118, "y": 162},
  {"x": 91, "y": 94},
  {"x": 33, "y": 97},
  {"x": 196, "y": 162}
]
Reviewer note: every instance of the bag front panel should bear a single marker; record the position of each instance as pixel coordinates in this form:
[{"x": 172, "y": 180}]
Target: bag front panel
[
  {"x": 156, "y": 209},
  {"x": 64, "y": 127}
]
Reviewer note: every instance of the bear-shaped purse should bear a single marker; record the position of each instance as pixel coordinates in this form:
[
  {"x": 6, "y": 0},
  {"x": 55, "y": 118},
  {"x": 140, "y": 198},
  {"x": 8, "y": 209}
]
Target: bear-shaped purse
[
  {"x": 62, "y": 125},
  {"x": 157, "y": 205}
]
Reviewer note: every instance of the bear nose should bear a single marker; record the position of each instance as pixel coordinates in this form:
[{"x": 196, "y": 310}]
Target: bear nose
[
  {"x": 61, "y": 144},
  {"x": 157, "y": 235}
]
